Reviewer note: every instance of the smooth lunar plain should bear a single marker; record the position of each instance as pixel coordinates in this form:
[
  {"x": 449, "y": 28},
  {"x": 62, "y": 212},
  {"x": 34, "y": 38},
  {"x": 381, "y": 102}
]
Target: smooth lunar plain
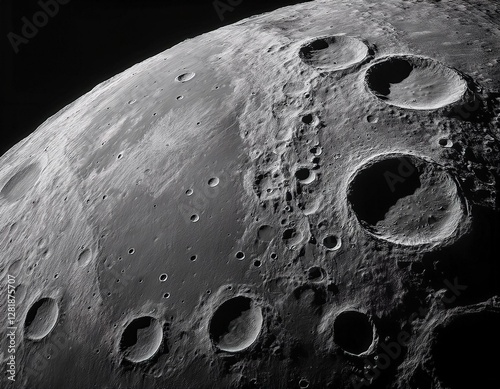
[{"x": 304, "y": 199}]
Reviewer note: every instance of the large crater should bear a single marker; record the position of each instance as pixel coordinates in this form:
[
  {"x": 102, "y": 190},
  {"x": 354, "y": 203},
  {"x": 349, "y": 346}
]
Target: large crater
[
  {"x": 236, "y": 324},
  {"x": 406, "y": 199},
  {"x": 415, "y": 82},
  {"x": 334, "y": 53}
]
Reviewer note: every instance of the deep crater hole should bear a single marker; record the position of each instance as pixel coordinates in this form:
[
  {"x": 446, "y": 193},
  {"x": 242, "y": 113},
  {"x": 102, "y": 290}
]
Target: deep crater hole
[
  {"x": 141, "y": 339},
  {"x": 311, "y": 48},
  {"x": 353, "y": 332},
  {"x": 390, "y": 72},
  {"x": 236, "y": 324},
  {"x": 41, "y": 318},
  {"x": 377, "y": 188},
  {"x": 463, "y": 354}
]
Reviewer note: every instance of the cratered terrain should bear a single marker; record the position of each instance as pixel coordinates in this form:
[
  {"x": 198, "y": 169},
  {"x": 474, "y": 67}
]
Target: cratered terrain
[{"x": 304, "y": 199}]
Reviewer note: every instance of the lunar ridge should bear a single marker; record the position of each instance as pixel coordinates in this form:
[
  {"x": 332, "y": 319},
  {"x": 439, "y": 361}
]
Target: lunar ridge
[{"x": 307, "y": 198}]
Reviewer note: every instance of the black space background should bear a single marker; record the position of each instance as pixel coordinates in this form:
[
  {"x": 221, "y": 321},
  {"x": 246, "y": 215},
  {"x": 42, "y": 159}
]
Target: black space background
[{"x": 89, "y": 41}]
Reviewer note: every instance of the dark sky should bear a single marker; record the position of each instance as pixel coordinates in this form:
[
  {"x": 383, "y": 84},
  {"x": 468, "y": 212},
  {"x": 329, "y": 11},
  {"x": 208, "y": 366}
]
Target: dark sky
[{"x": 84, "y": 42}]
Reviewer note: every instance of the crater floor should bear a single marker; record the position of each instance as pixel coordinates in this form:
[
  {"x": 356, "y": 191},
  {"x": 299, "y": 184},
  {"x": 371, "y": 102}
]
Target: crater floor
[{"x": 305, "y": 199}]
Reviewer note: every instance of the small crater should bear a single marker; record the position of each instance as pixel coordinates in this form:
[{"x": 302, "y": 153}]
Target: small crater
[
  {"x": 141, "y": 339},
  {"x": 236, "y": 324},
  {"x": 303, "y": 383},
  {"x": 316, "y": 274},
  {"x": 446, "y": 143},
  {"x": 21, "y": 182},
  {"x": 213, "y": 182},
  {"x": 332, "y": 242},
  {"x": 302, "y": 174},
  {"x": 194, "y": 218},
  {"x": 334, "y": 53},
  {"x": 289, "y": 234},
  {"x": 305, "y": 176},
  {"x": 316, "y": 150},
  {"x": 185, "y": 77},
  {"x": 240, "y": 255},
  {"x": 414, "y": 82},
  {"x": 266, "y": 233},
  {"x": 163, "y": 277},
  {"x": 292, "y": 237},
  {"x": 41, "y": 318},
  {"x": 307, "y": 119},
  {"x": 353, "y": 332}
]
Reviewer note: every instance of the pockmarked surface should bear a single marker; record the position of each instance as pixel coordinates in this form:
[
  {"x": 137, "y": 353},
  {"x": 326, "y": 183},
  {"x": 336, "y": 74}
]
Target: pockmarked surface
[{"x": 305, "y": 199}]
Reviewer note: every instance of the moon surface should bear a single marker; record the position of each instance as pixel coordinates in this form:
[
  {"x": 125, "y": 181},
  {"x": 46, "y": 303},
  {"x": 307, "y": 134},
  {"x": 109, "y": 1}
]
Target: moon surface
[
  {"x": 418, "y": 202},
  {"x": 414, "y": 82},
  {"x": 353, "y": 332},
  {"x": 20, "y": 182},
  {"x": 236, "y": 324},
  {"x": 41, "y": 318},
  {"x": 333, "y": 53},
  {"x": 307, "y": 198},
  {"x": 141, "y": 339}
]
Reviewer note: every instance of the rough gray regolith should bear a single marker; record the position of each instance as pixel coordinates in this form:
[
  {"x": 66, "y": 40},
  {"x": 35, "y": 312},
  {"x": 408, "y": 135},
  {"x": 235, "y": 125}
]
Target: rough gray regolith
[{"x": 270, "y": 205}]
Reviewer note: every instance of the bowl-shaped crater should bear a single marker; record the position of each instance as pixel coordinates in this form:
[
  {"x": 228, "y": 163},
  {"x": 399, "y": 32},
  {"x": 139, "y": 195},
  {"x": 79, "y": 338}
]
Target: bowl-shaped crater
[
  {"x": 405, "y": 199},
  {"x": 236, "y": 324},
  {"x": 334, "y": 53},
  {"x": 414, "y": 82}
]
